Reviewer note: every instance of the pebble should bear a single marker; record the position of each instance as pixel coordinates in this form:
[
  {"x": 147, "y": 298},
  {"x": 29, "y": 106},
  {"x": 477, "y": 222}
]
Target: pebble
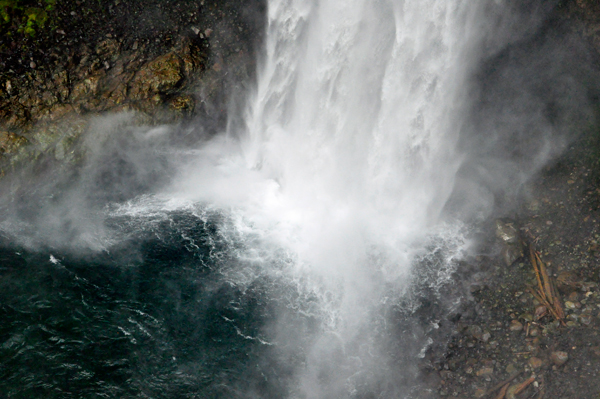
[
  {"x": 573, "y": 296},
  {"x": 446, "y": 374},
  {"x": 574, "y": 317},
  {"x": 516, "y": 326},
  {"x": 570, "y": 305},
  {"x": 540, "y": 311},
  {"x": 475, "y": 332},
  {"x": 531, "y": 347},
  {"x": 510, "y": 393},
  {"x": 527, "y": 317},
  {"x": 511, "y": 369},
  {"x": 485, "y": 371},
  {"x": 535, "y": 362},
  {"x": 559, "y": 358},
  {"x": 534, "y": 332},
  {"x": 486, "y": 336}
]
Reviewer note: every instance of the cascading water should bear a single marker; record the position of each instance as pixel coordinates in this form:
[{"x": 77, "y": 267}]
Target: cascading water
[
  {"x": 348, "y": 159},
  {"x": 301, "y": 255}
]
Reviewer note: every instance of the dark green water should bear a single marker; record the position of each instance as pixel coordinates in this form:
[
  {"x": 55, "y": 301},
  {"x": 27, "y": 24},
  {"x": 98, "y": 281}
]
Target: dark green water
[
  {"x": 171, "y": 310},
  {"x": 154, "y": 317}
]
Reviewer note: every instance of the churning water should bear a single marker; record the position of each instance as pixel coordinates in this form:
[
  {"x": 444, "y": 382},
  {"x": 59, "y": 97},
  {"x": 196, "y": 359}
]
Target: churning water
[{"x": 299, "y": 254}]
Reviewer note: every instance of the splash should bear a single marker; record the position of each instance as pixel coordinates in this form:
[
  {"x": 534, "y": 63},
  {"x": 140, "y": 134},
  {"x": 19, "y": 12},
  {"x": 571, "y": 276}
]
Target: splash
[
  {"x": 348, "y": 158},
  {"x": 352, "y": 129}
]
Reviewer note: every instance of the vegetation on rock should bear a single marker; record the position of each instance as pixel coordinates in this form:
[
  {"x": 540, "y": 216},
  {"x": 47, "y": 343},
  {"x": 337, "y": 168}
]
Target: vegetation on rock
[{"x": 26, "y": 16}]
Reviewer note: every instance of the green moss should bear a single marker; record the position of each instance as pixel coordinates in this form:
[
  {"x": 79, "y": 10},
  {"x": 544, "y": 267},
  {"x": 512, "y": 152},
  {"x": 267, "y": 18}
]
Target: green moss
[{"x": 27, "y": 16}]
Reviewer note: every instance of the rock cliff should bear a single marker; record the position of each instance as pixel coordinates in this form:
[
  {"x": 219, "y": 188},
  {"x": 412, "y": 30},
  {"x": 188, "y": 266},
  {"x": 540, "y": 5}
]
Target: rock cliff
[{"x": 165, "y": 60}]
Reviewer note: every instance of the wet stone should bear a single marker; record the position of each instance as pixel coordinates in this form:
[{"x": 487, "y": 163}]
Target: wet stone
[
  {"x": 511, "y": 252},
  {"x": 559, "y": 358},
  {"x": 531, "y": 347},
  {"x": 534, "y": 332},
  {"x": 535, "y": 362},
  {"x": 475, "y": 332},
  {"x": 540, "y": 311},
  {"x": 506, "y": 232},
  {"x": 511, "y": 369},
  {"x": 573, "y": 317},
  {"x": 515, "y": 326},
  {"x": 10, "y": 142},
  {"x": 586, "y": 319},
  {"x": 486, "y": 336},
  {"x": 446, "y": 374},
  {"x": 508, "y": 235},
  {"x": 527, "y": 317},
  {"x": 485, "y": 371}
]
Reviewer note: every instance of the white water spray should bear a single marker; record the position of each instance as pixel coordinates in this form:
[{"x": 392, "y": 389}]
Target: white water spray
[
  {"x": 349, "y": 157},
  {"x": 352, "y": 128}
]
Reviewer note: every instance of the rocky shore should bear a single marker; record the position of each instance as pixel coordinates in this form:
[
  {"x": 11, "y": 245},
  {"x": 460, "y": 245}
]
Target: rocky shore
[
  {"x": 504, "y": 342},
  {"x": 502, "y": 335}
]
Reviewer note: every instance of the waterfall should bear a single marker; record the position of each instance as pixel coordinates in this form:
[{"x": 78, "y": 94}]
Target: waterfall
[
  {"x": 357, "y": 112},
  {"x": 348, "y": 157}
]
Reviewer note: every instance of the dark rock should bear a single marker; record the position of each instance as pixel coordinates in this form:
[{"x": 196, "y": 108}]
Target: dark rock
[
  {"x": 10, "y": 142},
  {"x": 162, "y": 74},
  {"x": 508, "y": 235}
]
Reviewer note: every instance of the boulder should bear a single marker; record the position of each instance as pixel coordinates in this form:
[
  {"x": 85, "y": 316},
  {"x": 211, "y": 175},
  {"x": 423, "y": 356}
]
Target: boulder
[{"x": 510, "y": 241}]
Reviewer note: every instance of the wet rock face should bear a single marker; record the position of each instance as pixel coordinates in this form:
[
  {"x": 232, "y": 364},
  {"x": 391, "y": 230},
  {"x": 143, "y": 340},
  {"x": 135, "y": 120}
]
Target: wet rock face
[
  {"x": 168, "y": 60},
  {"x": 128, "y": 81},
  {"x": 106, "y": 79},
  {"x": 10, "y": 142}
]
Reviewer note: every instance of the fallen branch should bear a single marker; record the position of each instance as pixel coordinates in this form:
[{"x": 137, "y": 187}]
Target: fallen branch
[
  {"x": 546, "y": 293},
  {"x": 501, "y": 384},
  {"x": 524, "y": 385},
  {"x": 503, "y": 391},
  {"x": 516, "y": 389}
]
